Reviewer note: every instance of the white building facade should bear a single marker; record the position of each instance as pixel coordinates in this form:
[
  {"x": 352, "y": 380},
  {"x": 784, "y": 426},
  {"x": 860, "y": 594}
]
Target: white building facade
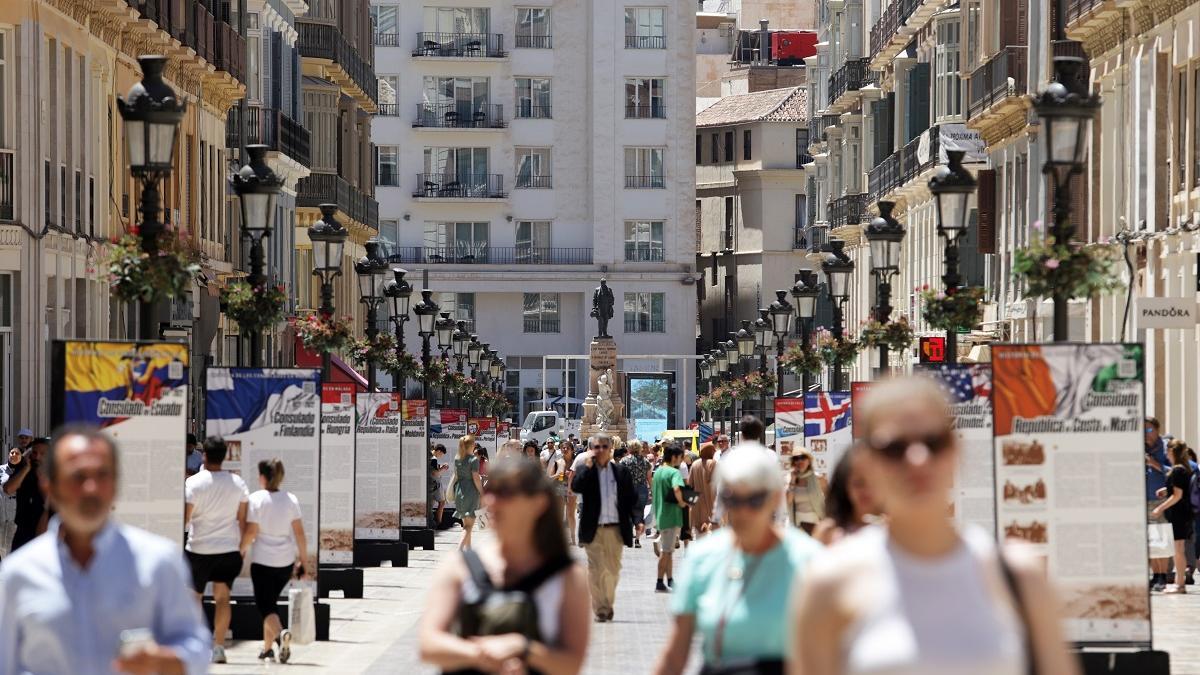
[{"x": 525, "y": 150}]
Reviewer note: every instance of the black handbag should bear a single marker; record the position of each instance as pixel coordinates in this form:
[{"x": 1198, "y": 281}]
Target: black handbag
[
  {"x": 747, "y": 667},
  {"x": 690, "y": 496}
]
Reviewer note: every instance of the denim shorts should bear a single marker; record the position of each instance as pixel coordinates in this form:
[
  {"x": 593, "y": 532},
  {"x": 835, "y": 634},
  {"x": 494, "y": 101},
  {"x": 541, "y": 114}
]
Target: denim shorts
[{"x": 643, "y": 495}]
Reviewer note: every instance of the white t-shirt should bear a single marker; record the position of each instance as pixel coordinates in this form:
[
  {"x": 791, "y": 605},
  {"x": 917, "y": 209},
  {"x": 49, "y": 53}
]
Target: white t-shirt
[
  {"x": 215, "y": 497},
  {"x": 275, "y": 545}
]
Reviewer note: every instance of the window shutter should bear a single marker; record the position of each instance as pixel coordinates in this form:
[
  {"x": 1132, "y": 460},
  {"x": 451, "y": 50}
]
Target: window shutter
[
  {"x": 917, "y": 119},
  {"x": 1014, "y": 23},
  {"x": 277, "y": 72},
  {"x": 986, "y": 198},
  {"x": 879, "y": 131}
]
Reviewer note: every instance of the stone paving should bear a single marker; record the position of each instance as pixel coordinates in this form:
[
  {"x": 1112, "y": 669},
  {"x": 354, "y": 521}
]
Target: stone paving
[{"x": 378, "y": 634}]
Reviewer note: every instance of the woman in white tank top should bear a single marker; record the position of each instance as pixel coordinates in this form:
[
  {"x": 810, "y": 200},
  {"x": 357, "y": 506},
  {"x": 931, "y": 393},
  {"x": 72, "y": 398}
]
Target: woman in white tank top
[{"x": 914, "y": 596}]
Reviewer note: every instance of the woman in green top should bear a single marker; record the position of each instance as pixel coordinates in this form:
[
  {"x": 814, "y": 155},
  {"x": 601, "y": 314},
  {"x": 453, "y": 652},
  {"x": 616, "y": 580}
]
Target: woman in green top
[
  {"x": 735, "y": 583},
  {"x": 466, "y": 486}
]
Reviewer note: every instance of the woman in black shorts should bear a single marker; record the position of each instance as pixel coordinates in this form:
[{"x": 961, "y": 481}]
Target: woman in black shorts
[
  {"x": 1178, "y": 508},
  {"x": 279, "y": 552}
]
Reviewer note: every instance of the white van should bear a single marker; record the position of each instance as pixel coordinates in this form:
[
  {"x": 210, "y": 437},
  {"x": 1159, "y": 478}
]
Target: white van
[{"x": 541, "y": 424}]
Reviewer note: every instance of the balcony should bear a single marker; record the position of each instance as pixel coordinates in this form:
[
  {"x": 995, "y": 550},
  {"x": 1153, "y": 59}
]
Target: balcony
[
  {"x": 903, "y": 166},
  {"x": 847, "y": 210},
  {"x": 327, "y": 188},
  {"x": 483, "y": 254},
  {"x": 1085, "y": 17},
  {"x": 7, "y": 184},
  {"x": 541, "y": 325},
  {"x": 656, "y": 111},
  {"x": 892, "y": 32},
  {"x": 463, "y": 186},
  {"x": 818, "y": 125},
  {"x": 324, "y": 42},
  {"x": 535, "y": 182},
  {"x": 645, "y": 42},
  {"x": 460, "y": 45},
  {"x": 459, "y": 116},
  {"x": 389, "y": 110},
  {"x": 852, "y": 76},
  {"x": 534, "y": 42},
  {"x": 387, "y": 39},
  {"x": 1002, "y": 79},
  {"x": 527, "y": 111},
  {"x": 645, "y": 182},
  {"x": 643, "y": 252},
  {"x": 196, "y": 27},
  {"x": 272, "y": 128},
  {"x": 645, "y": 325},
  {"x": 815, "y": 238}
]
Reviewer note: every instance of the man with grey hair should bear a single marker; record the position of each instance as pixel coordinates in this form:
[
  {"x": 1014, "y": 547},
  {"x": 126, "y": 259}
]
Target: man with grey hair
[{"x": 605, "y": 520}]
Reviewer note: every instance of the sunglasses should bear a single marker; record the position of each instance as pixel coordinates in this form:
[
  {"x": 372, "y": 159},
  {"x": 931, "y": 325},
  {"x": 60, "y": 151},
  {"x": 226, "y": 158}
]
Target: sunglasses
[
  {"x": 752, "y": 501},
  {"x": 936, "y": 442},
  {"x": 600, "y": 447}
]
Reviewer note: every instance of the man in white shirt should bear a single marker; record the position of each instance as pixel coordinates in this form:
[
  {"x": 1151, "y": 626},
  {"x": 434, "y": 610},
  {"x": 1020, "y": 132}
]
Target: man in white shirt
[{"x": 216, "y": 518}]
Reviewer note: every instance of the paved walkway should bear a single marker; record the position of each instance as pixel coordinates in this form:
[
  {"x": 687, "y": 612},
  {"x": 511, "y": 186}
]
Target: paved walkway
[{"x": 378, "y": 634}]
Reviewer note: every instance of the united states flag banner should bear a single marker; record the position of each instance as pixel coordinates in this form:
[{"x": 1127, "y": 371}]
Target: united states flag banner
[{"x": 968, "y": 387}]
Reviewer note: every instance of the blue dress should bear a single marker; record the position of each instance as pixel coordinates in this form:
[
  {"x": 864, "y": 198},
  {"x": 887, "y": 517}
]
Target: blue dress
[{"x": 466, "y": 496}]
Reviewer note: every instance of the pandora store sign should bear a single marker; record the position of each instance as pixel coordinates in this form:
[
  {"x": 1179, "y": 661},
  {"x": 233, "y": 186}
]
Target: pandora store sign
[{"x": 1166, "y": 313}]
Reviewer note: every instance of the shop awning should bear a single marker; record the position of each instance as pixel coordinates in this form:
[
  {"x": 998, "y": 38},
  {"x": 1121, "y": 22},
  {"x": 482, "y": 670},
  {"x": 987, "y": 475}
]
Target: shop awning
[{"x": 340, "y": 372}]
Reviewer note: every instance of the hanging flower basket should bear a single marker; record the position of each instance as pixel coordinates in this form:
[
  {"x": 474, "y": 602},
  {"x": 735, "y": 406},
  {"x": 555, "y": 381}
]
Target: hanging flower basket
[
  {"x": 254, "y": 308},
  {"x": 136, "y": 276},
  {"x": 402, "y": 366},
  {"x": 834, "y": 352},
  {"x": 958, "y": 309},
  {"x": 718, "y": 399},
  {"x": 321, "y": 334},
  {"x": 377, "y": 351},
  {"x": 436, "y": 373},
  {"x": 800, "y": 360},
  {"x": 896, "y": 335},
  {"x": 753, "y": 386},
  {"x": 1074, "y": 271}
]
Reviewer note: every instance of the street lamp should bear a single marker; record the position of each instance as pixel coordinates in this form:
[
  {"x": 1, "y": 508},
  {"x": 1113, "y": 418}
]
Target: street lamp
[
  {"x": 371, "y": 269},
  {"x": 1066, "y": 110},
  {"x": 445, "y": 334},
  {"x": 838, "y": 268},
  {"x": 425, "y": 310},
  {"x": 461, "y": 341},
  {"x": 399, "y": 292},
  {"x": 781, "y": 322},
  {"x": 745, "y": 339},
  {"x": 805, "y": 293},
  {"x": 721, "y": 358},
  {"x": 257, "y": 188},
  {"x": 474, "y": 352},
  {"x": 328, "y": 239},
  {"x": 952, "y": 186},
  {"x": 151, "y": 114},
  {"x": 884, "y": 236}
]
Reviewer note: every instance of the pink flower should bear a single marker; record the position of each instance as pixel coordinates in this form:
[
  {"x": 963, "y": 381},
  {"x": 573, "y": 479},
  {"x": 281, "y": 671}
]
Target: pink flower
[
  {"x": 1037, "y": 225},
  {"x": 1051, "y": 264}
]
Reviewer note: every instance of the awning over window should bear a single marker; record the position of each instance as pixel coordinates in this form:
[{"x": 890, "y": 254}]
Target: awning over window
[{"x": 340, "y": 372}]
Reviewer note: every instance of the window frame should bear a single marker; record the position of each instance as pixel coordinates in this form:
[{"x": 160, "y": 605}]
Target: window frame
[
  {"x": 650, "y": 164},
  {"x": 644, "y": 303},
  {"x": 547, "y": 318},
  {"x": 534, "y": 40},
  {"x": 533, "y": 110},
  {"x": 394, "y": 152},
  {"x": 634, "y": 38},
  {"x": 655, "y": 91},
  {"x": 641, "y": 245}
]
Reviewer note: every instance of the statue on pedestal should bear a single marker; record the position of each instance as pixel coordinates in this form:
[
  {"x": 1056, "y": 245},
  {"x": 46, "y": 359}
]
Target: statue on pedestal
[
  {"x": 604, "y": 404},
  {"x": 603, "y": 301}
]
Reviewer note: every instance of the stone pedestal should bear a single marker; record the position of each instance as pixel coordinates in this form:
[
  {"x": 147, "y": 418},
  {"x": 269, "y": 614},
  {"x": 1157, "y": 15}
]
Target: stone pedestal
[{"x": 601, "y": 412}]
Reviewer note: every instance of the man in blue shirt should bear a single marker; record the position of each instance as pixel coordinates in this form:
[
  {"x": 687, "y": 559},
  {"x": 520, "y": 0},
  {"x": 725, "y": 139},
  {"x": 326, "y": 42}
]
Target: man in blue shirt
[
  {"x": 91, "y": 595},
  {"x": 1156, "y": 478}
]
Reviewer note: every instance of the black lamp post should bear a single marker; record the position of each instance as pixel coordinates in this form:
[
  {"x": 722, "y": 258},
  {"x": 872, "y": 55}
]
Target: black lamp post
[
  {"x": 838, "y": 268},
  {"x": 328, "y": 239},
  {"x": 745, "y": 346},
  {"x": 1066, "y": 110},
  {"x": 952, "y": 186},
  {"x": 722, "y": 369},
  {"x": 445, "y": 339},
  {"x": 151, "y": 114},
  {"x": 399, "y": 292},
  {"x": 884, "y": 235},
  {"x": 805, "y": 294},
  {"x": 371, "y": 269},
  {"x": 461, "y": 341},
  {"x": 781, "y": 324},
  {"x": 425, "y": 310},
  {"x": 474, "y": 351},
  {"x": 705, "y": 367},
  {"x": 257, "y": 188}
]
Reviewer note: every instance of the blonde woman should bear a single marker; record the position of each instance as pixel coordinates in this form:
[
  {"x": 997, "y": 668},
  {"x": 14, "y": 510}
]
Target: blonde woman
[
  {"x": 466, "y": 486},
  {"x": 278, "y": 549}
]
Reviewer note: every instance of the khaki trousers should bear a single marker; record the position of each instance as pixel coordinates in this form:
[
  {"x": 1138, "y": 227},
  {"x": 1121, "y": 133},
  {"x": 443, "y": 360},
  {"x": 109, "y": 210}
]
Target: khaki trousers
[{"x": 604, "y": 568}]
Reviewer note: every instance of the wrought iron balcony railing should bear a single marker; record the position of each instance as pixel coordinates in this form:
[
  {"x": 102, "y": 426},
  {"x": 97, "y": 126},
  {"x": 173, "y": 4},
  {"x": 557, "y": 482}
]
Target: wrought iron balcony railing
[
  {"x": 887, "y": 26},
  {"x": 527, "y": 111},
  {"x": 483, "y": 254},
  {"x": 327, "y": 188},
  {"x": 817, "y": 127},
  {"x": 460, "y": 45},
  {"x": 460, "y": 116},
  {"x": 903, "y": 165},
  {"x": 852, "y": 76},
  {"x": 645, "y": 182},
  {"x": 541, "y": 325},
  {"x": 817, "y": 235},
  {"x": 202, "y": 26},
  {"x": 462, "y": 186},
  {"x": 1004, "y": 75},
  {"x": 272, "y": 128},
  {"x": 643, "y": 252},
  {"x": 535, "y": 182},
  {"x": 534, "y": 41},
  {"x": 645, "y": 42},
  {"x": 325, "y": 41},
  {"x": 654, "y": 111},
  {"x": 645, "y": 325},
  {"x": 847, "y": 210},
  {"x": 387, "y": 39}
]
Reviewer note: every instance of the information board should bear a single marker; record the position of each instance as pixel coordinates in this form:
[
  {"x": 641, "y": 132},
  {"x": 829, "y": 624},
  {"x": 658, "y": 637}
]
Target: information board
[
  {"x": 137, "y": 392},
  {"x": 1070, "y": 478},
  {"x": 377, "y": 467},
  {"x": 827, "y": 428},
  {"x": 414, "y": 475},
  {"x": 337, "y": 473},
  {"x": 789, "y": 425},
  {"x": 968, "y": 386},
  {"x": 446, "y": 426}
]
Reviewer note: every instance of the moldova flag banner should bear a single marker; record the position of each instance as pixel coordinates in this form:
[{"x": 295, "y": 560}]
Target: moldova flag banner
[
  {"x": 414, "y": 470},
  {"x": 827, "y": 429},
  {"x": 138, "y": 393},
  {"x": 1070, "y": 478}
]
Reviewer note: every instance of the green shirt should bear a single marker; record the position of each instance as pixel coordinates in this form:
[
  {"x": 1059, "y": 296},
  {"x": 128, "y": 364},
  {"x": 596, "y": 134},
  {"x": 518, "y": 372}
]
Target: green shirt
[
  {"x": 708, "y": 591},
  {"x": 667, "y": 514}
]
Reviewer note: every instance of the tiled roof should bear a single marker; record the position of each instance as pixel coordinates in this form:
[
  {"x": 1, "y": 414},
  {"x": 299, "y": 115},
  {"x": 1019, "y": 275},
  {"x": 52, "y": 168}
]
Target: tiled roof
[{"x": 774, "y": 105}]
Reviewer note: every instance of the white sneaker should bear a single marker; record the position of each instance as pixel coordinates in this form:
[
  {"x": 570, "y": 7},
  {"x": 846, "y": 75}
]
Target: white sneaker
[{"x": 218, "y": 654}]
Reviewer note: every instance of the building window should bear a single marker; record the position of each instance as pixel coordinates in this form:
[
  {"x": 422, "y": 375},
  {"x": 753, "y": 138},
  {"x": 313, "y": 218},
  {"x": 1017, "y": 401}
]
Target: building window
[
  {"x": 533, "y": 241},
  {"x": 389, "y": 231},
  {"x": 387, "y": 24},
  {"x": 949, "y": 84},
  {"x": 456, "y": 242},
  {"x": 533, "y": 97},
  {"x": 802, "y": 156},
  {"x": 467, "y": 166},
  {"x": 644, "y": 98},
  {"x": 729, "y": 147},
  {"x": 699, "y": 150},
  {"x": 746, "y": 145},
  {"x": 541, "y": 313},
  {"x": 4, "y": 93},
  {"x": 801, "y": 212},
  {"x": 388, "y": 87},
  {"x": 714, "y": 150},
  {"x": 460, "y": 307},
  {"x": 644, "y": 168},
  {"x": 458, "y": 20},
  {"x": 455, "y": 101},
  {"x": 533, "y": 28},
  {"x": 79, "y": 202},
  {"x": 730, "y": 212},
  {"x": 643, "y": 241},
  {"x": 533, "y": 168},
  {"x": 389, "y": 174},
  {"x": 645, "y": 313},
  {"x": 644, "y": 28}
]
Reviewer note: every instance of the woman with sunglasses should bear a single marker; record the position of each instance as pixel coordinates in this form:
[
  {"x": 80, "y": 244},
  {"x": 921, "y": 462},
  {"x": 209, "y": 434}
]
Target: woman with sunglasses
[
  {"x": 518, "y": 604},
  {"x": 916, "y": 595},
  {"x": 735, "y": 583}
]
